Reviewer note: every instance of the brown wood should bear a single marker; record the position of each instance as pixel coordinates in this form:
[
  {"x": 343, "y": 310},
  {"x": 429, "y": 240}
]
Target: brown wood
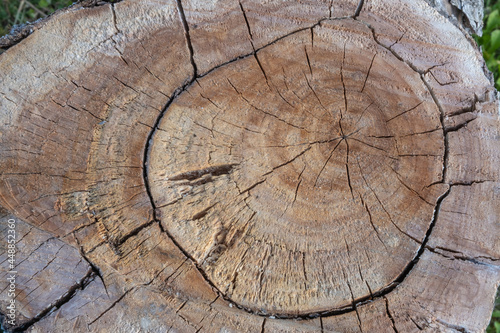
[{"x": 200, "y": 166}]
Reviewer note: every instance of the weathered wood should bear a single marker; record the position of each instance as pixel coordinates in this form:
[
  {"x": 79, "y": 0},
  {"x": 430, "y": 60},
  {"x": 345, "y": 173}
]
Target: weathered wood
[
  {"x": 467, "y": 14},
  {"x": 250, "y": 166}
]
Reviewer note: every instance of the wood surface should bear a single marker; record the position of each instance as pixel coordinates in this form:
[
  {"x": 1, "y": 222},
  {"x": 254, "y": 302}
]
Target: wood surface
[{"x": 253, "y": 166}]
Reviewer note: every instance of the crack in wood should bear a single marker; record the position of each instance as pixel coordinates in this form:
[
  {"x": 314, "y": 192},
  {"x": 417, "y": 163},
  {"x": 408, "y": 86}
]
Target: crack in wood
[
  {"x": 249, "y": 30},
  {"x": 65, "y": 298},
  {"x": 203, "y": 212},
  {"x": 308, "y": 61},
  {"x": 441, "y": 83},
  {"x": 468, "y": 109},
  {"x": 457, "y": 255},
  {"x": 365, "y": 205},
  {"x": 287, "y": 162},
  {"x": 343, "y": 87},
  {"x": 94, "y": 267},
  {"x": 359, "y": 8},
  {"x": 368, "y": 73},
  {"x": 327, "y": 160},
  {"x": 370, "y": 145},
  {"x": 445, "y": 134},
  {"x": 262, "y": 69},
  {"x": 457, "y": 328},
  {"x": 20, "y": 32},
  {"x": 363, "y": 113},
  {"x": 284, "y": 99},
  {"x": 404, "y": 112},
  {"x": 399, "y": 177},
  {"x": 459, "y": 126},
  {"x": 314, "y": 92},
  {"x": 358, "y": 318},
  {"x": 262, "y": 328},
  {"x": 423, "y": 132},
  {"x": 388, "y": 312},
  {"x": 110, "y": 307},
  {"x": 215, "y": 170}
]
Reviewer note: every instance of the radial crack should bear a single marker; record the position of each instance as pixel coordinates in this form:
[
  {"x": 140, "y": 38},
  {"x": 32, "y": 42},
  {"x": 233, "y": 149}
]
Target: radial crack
[
  {"x": 342, "y": 80},
  {"x": 94, "y": 267},
  {"x": 296, "y": 191},
  {"x": 111, "y": 306},
  {"x": 459, "y": 126},
  {"x": 347, "y": 168},
  {"x": 80, "y": 285},
  {"x": 358, "y": 317},
  {"x": 326, "y": 162},
  {"x": 363, "y": 113},
  {"x": 188, "y": 37},
  {"x": 263, "y": 111},
  {"x": 247, "y": 24},
  {"x": 308, "y": 61},
  {"x": 404, "y": 112},
  {"x": 352, "y": 307},
  {"x": 398, "y": 176},
  {"x": 368, "y": 73},
  {"x": 370, "y": 145},
  {"x": 215, "y": 170},
  {"x": 314, "y": 93},
  {"x": 365, "y": 205},
  {"x": 287, "y": 162}
]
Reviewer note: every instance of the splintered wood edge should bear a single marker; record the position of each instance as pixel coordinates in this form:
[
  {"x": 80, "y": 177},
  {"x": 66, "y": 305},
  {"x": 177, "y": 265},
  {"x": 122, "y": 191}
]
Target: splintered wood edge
[{"x": 488, "y": 268}]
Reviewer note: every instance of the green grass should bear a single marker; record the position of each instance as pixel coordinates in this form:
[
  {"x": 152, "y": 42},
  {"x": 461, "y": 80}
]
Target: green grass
[
  {"x": 490, "y": 41},
  {"x": 13, "y": 12}
]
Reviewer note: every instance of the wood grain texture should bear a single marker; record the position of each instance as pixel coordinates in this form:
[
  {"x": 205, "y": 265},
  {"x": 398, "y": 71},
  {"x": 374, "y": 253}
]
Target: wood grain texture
[
  {"x": 207, "y": 166},
  {"x": 297, "y": 138}
]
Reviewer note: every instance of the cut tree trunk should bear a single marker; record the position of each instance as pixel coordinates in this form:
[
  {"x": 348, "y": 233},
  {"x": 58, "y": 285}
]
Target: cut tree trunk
[{"x": 225, "y": 166}]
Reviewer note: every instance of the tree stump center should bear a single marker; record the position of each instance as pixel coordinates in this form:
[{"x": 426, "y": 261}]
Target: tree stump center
[{"x": 311, "y": 168}]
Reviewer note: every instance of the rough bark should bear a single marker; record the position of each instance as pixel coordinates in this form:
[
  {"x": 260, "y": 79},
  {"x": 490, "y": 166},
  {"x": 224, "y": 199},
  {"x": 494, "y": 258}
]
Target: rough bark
[{"x": 250, "y": 166}]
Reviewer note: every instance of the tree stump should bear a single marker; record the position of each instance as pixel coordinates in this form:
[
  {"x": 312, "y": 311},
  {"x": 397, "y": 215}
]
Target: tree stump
[{"x": 225, "y": 166}]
